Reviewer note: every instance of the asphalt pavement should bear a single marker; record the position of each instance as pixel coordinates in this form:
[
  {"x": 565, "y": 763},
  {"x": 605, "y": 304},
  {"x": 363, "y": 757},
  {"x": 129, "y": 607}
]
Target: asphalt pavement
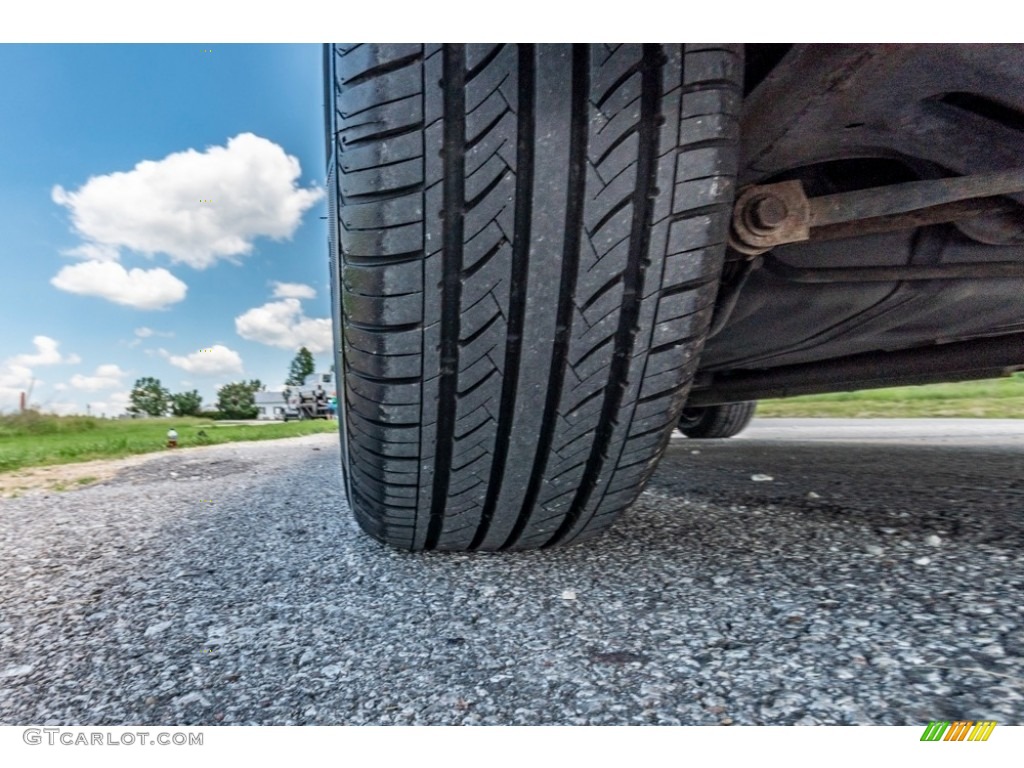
[{"x": 807, "y": 571}]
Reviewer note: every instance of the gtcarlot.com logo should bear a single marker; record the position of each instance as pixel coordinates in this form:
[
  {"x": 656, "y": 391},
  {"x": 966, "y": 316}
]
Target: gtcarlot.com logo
[
  {"x": 961, "y": 730},
  {"x": 70, "y": 738}
]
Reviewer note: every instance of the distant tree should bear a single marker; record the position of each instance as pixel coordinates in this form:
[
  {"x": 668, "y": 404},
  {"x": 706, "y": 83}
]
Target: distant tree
[
  {"x": 237, "y": 400},
  {"x": 186, "y": 403},
  {"x": 301, "y": 367},
  {"x": 149, "y": 397}
]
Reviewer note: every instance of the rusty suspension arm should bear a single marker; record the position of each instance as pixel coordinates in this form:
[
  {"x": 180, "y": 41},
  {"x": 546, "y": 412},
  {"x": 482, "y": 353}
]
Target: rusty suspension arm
[{"x": 769, "y": 215}]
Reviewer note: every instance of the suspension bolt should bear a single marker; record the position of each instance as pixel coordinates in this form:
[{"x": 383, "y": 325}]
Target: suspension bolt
[{"x": 769, "y": 211}]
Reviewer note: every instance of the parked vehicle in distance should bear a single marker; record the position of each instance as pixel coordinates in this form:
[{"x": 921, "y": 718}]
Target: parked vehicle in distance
[
  {"x": 545, "y": 258},
  {"x": 312, "y": 400}
]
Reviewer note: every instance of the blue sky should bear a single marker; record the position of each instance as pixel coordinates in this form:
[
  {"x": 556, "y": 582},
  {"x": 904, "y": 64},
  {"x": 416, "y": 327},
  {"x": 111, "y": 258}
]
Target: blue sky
[{"x": 158, "y": 200}]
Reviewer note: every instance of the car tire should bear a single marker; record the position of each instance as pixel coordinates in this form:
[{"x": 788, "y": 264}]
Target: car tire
[
  {"x": 526, "y": 244},
  {"x": 717, "y": 420}
]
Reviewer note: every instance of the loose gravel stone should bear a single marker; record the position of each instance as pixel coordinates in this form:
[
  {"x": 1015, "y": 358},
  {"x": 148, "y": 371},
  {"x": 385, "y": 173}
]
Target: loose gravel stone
[
  {"x": 18, "y": 671},
  {"x": 715, "y": 600}
]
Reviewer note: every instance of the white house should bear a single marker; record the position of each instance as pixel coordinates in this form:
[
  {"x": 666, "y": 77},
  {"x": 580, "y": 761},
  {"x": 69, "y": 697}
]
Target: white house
[{"x": 270, "y": 406}]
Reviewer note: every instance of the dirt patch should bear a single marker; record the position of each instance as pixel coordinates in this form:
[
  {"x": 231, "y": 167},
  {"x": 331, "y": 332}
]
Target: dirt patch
[
  {"x": 66, "y": 477},
  {"x": 188, "y": 463}
]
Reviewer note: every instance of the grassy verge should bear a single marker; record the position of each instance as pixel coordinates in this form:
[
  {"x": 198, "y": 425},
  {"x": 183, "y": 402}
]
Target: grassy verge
[
  {"x": 32, "y": 440},
  {"x": 990, "y": 399}
]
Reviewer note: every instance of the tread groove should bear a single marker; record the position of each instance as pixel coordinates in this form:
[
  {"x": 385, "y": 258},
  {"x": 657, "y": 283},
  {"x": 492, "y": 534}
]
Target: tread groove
[
  {"x": 477, "y": 384},
  {"x": 381, "y": 328},
  {"x": 571, "y": 253},
  {"x": 482, "y": 64},
  {"x": 601, "y": 292},
  {"x": 482, "y": 261},
  {"x": 383, "y": 196},
  {"x": 382, "y": 69},
  {"x": 390, "y": 133},
  {"x": 454, "y": 193},
  {"x": 522, "y": 215},
  {"x": 479, "y": 332},
  {"x": 471, "y": 204},
  {"x": 619, "y": 82},
  {"x": 615, "y": 145},
  {"x": 382, "y": 261},
  {"x": 486, "y": 130},
  {"x": 611, "y": 213}
]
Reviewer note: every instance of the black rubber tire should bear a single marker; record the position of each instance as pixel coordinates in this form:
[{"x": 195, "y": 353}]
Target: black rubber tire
[
  {"x": 526, "y": 248},
  {"x": 717, "y": 420}
]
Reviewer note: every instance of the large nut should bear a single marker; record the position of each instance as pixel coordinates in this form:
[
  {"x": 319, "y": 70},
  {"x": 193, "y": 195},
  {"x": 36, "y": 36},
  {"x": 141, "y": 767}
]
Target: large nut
[
  {"x": 769, "y": 211},
  {"x": 769, "y": 215}
]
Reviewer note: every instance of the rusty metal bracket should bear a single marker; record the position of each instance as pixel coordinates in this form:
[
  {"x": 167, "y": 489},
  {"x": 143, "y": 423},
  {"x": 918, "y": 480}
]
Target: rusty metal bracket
[{"x": 769, "y": 215}]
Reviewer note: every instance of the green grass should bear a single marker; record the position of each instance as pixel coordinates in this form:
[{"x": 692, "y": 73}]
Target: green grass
[
  {"x": 988, "y": 399},
  {"x": 31, "y": 439}
]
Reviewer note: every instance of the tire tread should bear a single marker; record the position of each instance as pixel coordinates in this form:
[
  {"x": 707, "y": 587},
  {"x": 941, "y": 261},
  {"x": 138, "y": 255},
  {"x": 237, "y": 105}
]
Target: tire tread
[{"x": 520, "y": 316}]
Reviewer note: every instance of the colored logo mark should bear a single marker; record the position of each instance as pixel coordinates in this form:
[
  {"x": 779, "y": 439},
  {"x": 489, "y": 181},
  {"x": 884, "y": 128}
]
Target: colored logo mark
[
  {"x": 960, "y": 730},
  {"x": 206, "y": 350},
  {"x": 207, "y": 50},
  {"x": 206, "y": 201}
]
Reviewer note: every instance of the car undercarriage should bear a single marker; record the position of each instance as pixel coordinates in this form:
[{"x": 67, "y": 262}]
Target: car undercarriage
[{"x": 895, "y": 295}]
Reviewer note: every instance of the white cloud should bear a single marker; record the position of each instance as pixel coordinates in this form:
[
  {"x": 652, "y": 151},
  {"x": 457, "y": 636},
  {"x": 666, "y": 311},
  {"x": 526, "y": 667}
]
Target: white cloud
[
  {"x": 158, "y": 207},
  {"x": 139, "y": 288},
  {"x": 281, "y": 324},
  {"x": 293, "y": 291},
  {"x": 94, "y": 251},
  {"x": 15, "y": 376},
  {"x": 105, "y": 377},
  {"x": 46, "y": 354},
  {"x": 212, "y": 361},
  {"x": 145, "y": 333}
]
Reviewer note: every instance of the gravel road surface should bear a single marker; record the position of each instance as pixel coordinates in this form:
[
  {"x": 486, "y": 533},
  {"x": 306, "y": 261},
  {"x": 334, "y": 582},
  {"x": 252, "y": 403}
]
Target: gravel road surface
[{"x": 809, "y": 571}]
